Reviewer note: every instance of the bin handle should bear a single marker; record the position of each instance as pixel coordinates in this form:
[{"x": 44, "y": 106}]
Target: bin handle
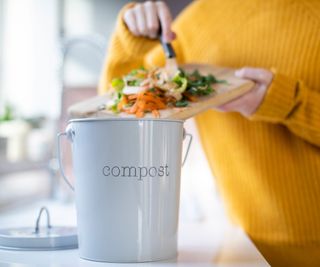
[
  {"x": 65, "y": 178},
  {"x": 188, "y": 147}
]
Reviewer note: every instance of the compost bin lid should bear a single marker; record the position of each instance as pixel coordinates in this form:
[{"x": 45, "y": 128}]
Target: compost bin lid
[{"x": 38, "y": 237}]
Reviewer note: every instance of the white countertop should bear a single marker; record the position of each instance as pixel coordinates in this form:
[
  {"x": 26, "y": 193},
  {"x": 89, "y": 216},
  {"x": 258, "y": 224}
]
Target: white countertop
[{"x": 209, "y": 243}]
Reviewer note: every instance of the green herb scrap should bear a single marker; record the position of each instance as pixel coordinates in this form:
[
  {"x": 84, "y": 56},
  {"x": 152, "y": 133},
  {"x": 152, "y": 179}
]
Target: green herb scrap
[
  {"x": 181, "y": 103},
  {"x": 196, "y": 84},
  {"x": 134, "y": 83}
]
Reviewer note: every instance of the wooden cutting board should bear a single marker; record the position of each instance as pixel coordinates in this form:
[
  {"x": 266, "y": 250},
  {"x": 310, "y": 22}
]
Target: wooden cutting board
[{"x": 225, "y": 92}]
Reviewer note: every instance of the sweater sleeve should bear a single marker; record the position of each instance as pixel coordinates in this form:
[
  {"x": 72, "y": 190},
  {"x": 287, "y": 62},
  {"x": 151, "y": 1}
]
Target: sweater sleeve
[
  {"x": 126, "y": 52},
  {"x": 293, "y": 104}
]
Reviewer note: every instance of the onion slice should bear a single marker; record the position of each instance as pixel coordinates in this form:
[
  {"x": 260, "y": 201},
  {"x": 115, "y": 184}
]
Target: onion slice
[{"x": 132, "y": 90}]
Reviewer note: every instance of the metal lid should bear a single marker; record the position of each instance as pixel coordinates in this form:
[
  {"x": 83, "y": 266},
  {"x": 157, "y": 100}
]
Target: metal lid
[{"x": 39, "y": 238}]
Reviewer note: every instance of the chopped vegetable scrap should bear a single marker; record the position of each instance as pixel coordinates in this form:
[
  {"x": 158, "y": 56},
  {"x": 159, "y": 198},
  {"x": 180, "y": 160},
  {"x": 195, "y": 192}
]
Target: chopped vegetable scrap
[{"x": 142, "y": 91}]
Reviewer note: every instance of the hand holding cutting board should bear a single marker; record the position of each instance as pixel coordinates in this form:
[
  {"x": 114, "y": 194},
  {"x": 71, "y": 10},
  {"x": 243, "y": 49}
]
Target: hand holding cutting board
[{"x": 248, "y": 103}]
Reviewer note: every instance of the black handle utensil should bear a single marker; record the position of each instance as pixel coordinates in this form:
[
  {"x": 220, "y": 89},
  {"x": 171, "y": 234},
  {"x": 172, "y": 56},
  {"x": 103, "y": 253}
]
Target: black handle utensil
[
  {"x": 167, "y": 47},
  {"x": 171, "y": 63}
]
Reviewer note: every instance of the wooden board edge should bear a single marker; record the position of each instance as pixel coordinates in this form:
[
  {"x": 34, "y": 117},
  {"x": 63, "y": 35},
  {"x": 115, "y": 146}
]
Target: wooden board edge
[{"x": 215, "y": 101}]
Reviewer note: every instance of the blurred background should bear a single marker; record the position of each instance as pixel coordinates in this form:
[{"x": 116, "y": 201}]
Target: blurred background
[{"x": 51, "y": 53}]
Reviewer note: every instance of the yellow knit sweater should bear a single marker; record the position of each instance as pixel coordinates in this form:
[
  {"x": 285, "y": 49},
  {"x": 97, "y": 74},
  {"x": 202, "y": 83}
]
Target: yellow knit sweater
[{"x": 268, "y": 166}]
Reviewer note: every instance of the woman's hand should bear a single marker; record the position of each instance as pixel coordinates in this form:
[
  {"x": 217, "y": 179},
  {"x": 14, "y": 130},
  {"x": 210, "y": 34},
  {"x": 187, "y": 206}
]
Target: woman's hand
[
  {"x": 144, "y": 19},
  {"x": 249, "y": 102}
]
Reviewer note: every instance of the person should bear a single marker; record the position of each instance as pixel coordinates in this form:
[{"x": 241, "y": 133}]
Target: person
[{"x": 263, "y": 147}]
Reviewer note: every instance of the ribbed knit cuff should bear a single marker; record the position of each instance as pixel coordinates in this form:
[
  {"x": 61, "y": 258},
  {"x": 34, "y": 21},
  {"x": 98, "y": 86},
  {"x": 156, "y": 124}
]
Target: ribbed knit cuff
[
  {"x": 278, "y": 101},
  {"x": 134, "y": 45}
]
